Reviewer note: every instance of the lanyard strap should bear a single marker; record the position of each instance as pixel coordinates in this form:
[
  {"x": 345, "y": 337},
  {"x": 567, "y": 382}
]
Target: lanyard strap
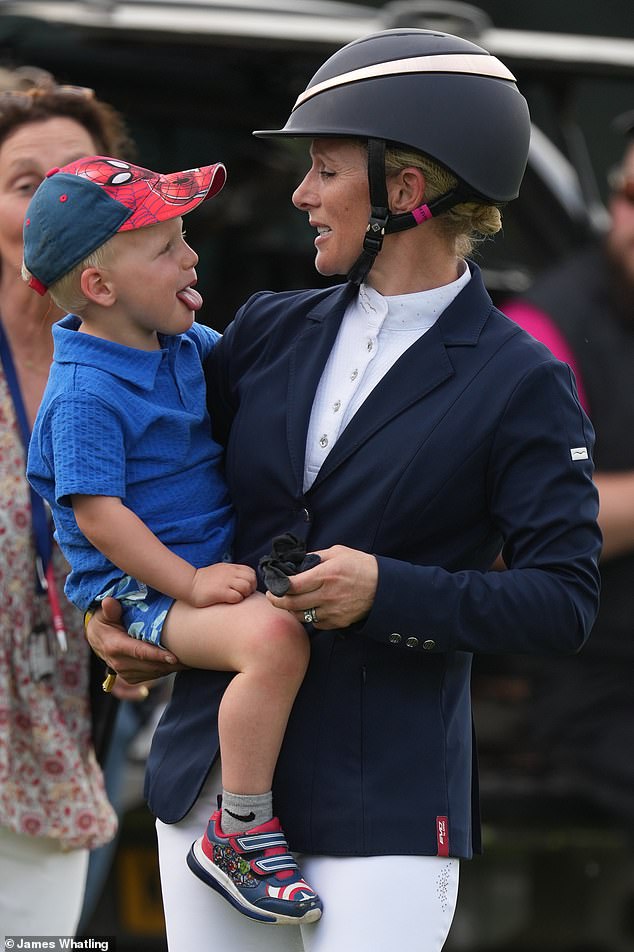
[{"x": 39, "y": 519}]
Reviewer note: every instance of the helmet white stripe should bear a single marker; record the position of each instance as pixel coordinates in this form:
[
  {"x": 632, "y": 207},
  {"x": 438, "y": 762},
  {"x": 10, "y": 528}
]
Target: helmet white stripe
[{"x": 474, "y": 64}]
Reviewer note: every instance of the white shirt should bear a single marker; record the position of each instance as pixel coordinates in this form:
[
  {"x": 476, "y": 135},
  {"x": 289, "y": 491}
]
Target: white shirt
[{"x": 374, "y": 332}]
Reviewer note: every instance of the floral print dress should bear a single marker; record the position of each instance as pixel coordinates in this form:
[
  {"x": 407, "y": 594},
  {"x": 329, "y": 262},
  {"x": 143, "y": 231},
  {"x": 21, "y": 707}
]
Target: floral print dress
[{"x": 50, "y": 782}]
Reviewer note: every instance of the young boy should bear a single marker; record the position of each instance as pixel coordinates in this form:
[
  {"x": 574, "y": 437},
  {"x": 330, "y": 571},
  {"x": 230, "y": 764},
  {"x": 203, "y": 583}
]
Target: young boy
[{"x": 122, "y": 451}]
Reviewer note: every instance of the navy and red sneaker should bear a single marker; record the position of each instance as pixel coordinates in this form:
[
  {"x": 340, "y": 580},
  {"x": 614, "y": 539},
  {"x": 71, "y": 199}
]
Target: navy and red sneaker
[{"x": 255, "y": 872}]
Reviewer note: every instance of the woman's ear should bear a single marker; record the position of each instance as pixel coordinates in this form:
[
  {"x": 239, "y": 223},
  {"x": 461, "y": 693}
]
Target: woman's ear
[
  {"x": 97, "y": 288},
  {"x": 406, "y": 189}
]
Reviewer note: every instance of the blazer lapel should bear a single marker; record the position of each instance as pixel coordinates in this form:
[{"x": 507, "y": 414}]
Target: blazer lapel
[
  {"x": 307, "y": 361},
  {"x": 417, "y": 373}
]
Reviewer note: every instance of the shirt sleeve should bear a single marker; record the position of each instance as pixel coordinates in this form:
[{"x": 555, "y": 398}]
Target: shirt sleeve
[
  {"x": 84, "y": 443},
  {"x": 205, "y": 338}
]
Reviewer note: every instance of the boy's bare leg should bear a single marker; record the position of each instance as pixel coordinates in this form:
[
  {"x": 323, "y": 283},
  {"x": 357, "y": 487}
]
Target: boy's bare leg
[{"x": 268, "y": 649}]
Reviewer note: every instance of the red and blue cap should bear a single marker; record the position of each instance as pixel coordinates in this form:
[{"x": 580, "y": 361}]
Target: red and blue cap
[{"x": 78, "y": 208}]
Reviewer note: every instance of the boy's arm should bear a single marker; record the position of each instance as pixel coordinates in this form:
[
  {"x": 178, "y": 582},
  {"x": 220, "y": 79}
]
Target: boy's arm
[{"x": 129, "y": 544}]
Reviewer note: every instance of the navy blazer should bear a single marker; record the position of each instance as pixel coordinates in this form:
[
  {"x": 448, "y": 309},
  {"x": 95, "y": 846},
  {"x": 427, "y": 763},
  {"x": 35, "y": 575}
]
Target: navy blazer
[{"x": 474, "y": 442}]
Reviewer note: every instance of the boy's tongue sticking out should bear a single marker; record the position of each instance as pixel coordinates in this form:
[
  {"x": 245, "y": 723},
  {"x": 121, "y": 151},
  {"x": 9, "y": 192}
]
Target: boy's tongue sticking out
[{"x": 191, "y": 298}]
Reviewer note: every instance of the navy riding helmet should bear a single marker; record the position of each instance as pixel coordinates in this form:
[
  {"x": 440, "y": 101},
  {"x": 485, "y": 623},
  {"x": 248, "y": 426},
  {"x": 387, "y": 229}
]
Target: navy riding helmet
[{"x": 439, "y": 94}]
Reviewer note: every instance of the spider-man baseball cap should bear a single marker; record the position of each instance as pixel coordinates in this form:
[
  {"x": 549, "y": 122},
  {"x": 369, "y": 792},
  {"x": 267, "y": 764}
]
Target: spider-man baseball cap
[{"x": 76, "y": 209}]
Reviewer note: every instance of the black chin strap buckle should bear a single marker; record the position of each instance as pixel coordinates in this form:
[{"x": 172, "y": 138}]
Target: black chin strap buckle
[
  {"x": 372, "y": 244},
  {"x": 375, "y": 231},
  {"x": 379, "y": 212}
]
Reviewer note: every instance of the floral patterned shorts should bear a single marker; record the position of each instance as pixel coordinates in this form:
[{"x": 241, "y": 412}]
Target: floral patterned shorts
[{"x": 143, "y": 609}]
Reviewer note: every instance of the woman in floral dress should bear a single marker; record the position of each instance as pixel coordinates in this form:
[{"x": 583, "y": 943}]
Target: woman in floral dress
[{"x": 53, "y": 805}]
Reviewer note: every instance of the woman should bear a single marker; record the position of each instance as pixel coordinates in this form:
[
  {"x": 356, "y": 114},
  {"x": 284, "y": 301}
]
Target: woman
[
  {"x": 409, "y": 432},
  {"x": 53, "y": 807}
]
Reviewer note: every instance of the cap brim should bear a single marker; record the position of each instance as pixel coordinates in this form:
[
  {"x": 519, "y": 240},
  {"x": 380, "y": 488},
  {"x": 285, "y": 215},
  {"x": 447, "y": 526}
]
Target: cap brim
[
  {"x": 218, "y": 178},
  {"x": 176, "y": 194}
]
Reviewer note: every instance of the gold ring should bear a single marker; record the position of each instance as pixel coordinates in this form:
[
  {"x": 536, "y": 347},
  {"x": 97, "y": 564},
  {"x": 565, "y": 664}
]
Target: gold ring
[{"x": 109, "y": 680}]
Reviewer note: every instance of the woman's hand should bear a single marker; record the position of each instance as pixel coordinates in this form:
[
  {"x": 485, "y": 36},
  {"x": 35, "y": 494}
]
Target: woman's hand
[
  {"x": 130, "y": 692},
  {"x": 340, "y": 589},
  {"x": 134, "y": 660}
]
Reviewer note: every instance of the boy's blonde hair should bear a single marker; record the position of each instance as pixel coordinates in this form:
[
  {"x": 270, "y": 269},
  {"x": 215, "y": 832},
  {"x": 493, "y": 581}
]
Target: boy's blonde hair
[{"x": 67, "y": 292}]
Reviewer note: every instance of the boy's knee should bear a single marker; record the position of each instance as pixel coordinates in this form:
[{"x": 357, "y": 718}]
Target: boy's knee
[{"x": 285, "y": 646}]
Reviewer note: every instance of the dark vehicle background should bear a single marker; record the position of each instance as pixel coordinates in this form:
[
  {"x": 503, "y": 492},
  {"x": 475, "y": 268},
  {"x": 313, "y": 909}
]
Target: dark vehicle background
[{"x": 194, "y": 78}]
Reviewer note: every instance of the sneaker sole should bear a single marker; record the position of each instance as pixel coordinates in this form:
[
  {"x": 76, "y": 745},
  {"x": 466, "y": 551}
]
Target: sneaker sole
[{"x": 202, "y": 867}]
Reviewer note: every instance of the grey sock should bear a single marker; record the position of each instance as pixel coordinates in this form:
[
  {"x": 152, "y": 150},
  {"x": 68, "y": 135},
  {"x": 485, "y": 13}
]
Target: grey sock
[{"x": 242, "y": 811}]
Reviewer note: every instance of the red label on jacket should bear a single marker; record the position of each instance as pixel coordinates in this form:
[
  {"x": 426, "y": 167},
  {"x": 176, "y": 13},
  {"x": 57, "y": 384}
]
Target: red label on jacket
[{"x": 442, "y": 835}]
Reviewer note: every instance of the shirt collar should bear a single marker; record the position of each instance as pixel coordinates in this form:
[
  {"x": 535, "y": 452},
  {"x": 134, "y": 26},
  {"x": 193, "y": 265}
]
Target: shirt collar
[
  {"x": 139, "y": 367},
  {"x": 408, "y": 312}
]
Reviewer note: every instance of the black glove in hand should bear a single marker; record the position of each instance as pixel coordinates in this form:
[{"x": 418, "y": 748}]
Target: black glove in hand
[{"x": 288, "y": 557}]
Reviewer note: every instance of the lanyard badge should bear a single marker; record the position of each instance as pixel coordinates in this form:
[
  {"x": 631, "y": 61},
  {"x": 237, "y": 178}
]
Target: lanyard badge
[{"x": 42, "y": 534}]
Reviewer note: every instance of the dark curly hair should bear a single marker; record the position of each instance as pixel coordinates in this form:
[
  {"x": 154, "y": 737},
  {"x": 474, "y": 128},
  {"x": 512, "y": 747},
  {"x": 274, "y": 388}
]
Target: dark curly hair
[{"x": 34, "y": 96}]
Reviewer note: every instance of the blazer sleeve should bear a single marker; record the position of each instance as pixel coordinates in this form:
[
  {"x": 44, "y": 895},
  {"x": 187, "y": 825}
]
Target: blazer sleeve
[{"x": 545, "y": 505}]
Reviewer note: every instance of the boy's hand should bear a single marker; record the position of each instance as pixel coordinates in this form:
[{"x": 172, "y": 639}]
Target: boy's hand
[
  {"x": 133, "y": 659},
  {"x": 223, "y": 582}
]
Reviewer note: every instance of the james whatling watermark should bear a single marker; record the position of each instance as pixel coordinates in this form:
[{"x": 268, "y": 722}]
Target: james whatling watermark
[{"x": 57, "y": 943}]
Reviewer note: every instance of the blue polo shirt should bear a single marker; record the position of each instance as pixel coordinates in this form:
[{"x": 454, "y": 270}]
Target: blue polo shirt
[{"x": 116, "y": 421}]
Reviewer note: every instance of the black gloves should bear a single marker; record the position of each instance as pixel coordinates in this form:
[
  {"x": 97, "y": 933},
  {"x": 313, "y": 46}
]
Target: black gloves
[{"x": 288, "y": 557}]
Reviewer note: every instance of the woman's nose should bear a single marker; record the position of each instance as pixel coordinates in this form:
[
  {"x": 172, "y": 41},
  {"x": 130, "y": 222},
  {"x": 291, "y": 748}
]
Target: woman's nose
[{"x": 302, "y": 197}]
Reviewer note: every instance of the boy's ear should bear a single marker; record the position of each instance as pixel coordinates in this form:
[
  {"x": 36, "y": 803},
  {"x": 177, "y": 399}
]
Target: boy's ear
[{"x": 97, "y": 288}]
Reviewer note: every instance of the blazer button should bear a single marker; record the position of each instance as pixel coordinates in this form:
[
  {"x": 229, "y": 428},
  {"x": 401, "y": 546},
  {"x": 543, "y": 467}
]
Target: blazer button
[
  {"x": 412, "y": 642},
  {"x": 429, "y": 645},
  {"x": 395, "y": 638}
]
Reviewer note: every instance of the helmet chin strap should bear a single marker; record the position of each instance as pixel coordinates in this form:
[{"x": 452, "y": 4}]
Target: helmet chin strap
[
  {"x": 382, "y": 222},
  {"x": 379, "y": 212}
]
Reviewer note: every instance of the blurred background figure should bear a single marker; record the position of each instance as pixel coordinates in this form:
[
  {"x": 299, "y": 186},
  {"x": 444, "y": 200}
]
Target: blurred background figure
[
  {"x": 583, "y": 309},
  {"x": 53, "y": 805}
]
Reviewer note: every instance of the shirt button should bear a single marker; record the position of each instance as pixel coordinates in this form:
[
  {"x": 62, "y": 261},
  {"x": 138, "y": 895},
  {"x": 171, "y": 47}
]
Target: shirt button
[
  {"x": 354, "y": 374},
  {"x": 323, "y": 441},
  {"x": 336, "y": 406},
  {"x": 395, "y": 638},
  {"x": 429, "y": 645},
  {"x": 370, "y": 345},
  {"x": 412, "y": 642}
]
